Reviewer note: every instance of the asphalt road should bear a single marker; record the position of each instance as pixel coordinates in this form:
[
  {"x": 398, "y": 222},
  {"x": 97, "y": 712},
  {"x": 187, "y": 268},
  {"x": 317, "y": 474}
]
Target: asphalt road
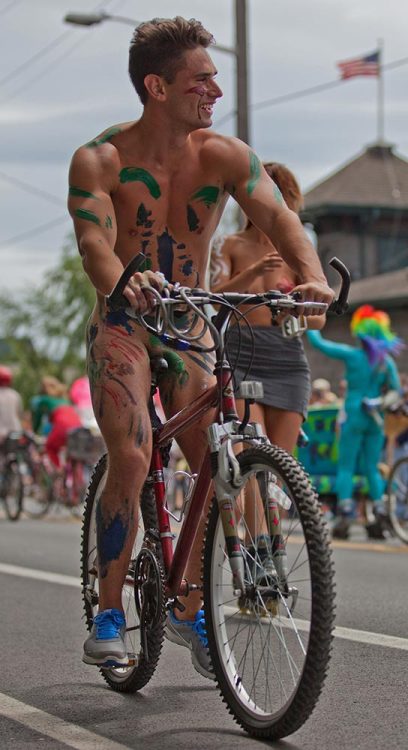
[{"x": 50, "y": 699}]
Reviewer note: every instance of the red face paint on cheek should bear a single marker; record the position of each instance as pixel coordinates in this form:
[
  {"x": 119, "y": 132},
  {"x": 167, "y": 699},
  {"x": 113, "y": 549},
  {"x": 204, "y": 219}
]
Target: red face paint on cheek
[{"x": 200, "y": 90}]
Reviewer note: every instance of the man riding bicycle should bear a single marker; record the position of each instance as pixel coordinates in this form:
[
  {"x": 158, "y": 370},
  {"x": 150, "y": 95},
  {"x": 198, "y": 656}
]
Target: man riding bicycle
[{"x": 159, "y": 185}]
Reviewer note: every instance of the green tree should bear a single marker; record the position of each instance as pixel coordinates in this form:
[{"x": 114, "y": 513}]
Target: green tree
[{"x": 46, "y": 330}]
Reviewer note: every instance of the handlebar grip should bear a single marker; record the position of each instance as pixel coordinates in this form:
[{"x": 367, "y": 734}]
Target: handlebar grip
[
  {"x": 340, "y": 305},
  {"x": 115, "y": 300}
]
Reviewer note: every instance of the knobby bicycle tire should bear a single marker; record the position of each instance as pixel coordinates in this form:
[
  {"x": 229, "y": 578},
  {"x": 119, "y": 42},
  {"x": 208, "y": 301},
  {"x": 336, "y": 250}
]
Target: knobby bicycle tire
[
  {"x": 132, "y": 678},
  {"x": 270, "y": 666},
  {"x": 12, "y": 491},
  {"x": 397, "y": 498}
]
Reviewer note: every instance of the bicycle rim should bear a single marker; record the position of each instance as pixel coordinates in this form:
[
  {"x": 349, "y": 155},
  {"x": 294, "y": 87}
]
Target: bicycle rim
[
  {"x": 13, "y": 491},
  {"x": 139, "y": 671},
  {"x": 271, "y": 663},
  {"x": 397, "y": 498},
  {"x": 38, "y": 494}
]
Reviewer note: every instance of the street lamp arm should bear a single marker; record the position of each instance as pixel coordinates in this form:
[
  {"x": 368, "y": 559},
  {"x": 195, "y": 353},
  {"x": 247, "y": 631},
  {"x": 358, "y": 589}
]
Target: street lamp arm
[
  {"x": 223, "y": 48},
  {"x": 91, "y": 19}
]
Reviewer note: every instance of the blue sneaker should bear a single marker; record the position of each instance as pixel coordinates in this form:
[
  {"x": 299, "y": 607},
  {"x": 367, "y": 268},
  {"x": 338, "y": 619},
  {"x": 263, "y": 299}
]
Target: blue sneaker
[
  {"x": 105, "y": 646},
  {"x": 193, "y": 635}
]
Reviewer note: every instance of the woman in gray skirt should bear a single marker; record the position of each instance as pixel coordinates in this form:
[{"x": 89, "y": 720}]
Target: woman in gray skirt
[{"x": 248, "y": 262}]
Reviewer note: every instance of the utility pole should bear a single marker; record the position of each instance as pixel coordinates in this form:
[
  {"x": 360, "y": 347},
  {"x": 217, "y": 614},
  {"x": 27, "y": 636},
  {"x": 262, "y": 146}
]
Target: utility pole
[{"x": 241, "y": 48}]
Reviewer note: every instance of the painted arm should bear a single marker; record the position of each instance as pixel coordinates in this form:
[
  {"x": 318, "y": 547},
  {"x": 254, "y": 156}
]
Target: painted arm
[
  {"x": 93, "y": 177},
  {"x": 330, "y": 348},
  {"x": 91, "y": 208},
  {"x": 262, "y": 202}
]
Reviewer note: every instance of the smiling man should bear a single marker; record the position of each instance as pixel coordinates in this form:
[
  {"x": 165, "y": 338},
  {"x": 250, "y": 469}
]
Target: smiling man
[{"x": 159, "y": 185}]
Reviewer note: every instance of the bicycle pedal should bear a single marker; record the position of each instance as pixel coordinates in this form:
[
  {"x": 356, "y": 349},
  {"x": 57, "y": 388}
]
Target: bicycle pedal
[{"x": 133, "y": 660}]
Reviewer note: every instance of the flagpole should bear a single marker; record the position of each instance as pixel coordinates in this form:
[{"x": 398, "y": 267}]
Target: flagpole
[{"x": 380, "y": 94}]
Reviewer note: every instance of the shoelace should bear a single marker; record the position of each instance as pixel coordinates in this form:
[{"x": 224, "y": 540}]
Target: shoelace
[
  {"x": 108, "y": 624},
  {"x": 199, "y": 627}
]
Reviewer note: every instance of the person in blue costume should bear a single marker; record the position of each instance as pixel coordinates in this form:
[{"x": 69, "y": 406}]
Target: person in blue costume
[{"x": 372, "y": 379}]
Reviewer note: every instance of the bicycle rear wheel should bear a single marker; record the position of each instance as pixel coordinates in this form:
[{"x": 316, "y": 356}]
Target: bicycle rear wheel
[
  {"x": 12, "y": 490},
  {"x": 38, "y": 495},
  {"x": 75, "y": 488},
  {"x": 397, "y": 498},
  {"x": 270, "y": 648},
  {"x": 133, "y": 677}
]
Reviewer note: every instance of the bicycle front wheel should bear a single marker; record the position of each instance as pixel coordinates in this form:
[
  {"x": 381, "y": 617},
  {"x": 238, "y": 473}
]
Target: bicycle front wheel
[
  {"x": 135, "y": 676},
  {"x": 397, "y": 498},
  {"x": 12, "y": 491},
  {"x": 270, "y": 645}
]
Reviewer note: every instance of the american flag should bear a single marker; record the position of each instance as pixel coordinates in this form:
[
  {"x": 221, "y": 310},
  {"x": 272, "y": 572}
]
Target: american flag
[{"x": 361, "y": 66}]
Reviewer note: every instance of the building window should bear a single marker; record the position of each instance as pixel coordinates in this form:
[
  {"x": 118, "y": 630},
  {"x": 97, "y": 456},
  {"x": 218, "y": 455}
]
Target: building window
[{"x": 392, "y": 253}]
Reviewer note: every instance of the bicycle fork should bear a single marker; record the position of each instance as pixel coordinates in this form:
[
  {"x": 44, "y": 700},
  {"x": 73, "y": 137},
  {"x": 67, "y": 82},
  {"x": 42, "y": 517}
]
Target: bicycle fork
[{"x": 228, "y": 483}]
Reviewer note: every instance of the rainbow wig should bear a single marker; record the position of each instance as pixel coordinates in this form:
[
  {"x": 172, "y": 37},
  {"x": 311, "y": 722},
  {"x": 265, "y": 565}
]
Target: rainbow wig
[{"x": 372, "y": 327}]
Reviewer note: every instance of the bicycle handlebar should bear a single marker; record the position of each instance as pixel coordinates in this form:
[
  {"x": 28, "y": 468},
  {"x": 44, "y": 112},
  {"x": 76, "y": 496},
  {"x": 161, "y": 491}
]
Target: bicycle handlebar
[{"x": 116, "y": 300}]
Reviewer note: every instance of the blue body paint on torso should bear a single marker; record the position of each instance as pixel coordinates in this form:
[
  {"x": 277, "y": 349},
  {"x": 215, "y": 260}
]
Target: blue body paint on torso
[
  {"x": 165, "y": 254},
  {"x": 119, "y": 318}
]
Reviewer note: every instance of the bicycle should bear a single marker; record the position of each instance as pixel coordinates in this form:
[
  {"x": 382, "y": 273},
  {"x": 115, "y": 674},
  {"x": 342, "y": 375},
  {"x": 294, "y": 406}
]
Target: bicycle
[
  {"x": 397, "y": 498},
  {"x": 14, "y": 468},
  {"x": 83, "y": 449},
  {"x": 270, "y": 664}
]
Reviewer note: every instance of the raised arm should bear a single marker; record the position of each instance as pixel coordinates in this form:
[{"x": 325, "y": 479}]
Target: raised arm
[
  {"x": 330, "y": 348},
  {"x": 261, "y": 200}
]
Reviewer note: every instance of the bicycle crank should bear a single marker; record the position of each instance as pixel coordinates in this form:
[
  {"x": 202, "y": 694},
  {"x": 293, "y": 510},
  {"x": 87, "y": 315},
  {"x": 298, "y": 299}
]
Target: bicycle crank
[{"x": 149, "y": 594}]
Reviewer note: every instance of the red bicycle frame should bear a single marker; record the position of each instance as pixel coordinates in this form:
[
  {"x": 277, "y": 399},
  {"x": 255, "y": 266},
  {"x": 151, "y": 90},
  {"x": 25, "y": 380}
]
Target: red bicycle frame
[{"x": 175, "y": 561}]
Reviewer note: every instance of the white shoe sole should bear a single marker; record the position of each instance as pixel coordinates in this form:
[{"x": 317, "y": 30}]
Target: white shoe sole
[{"x": 108, "y": 661}]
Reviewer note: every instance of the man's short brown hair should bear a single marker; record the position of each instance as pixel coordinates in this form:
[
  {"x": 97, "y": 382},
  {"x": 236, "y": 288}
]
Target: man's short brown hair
[{"x": 158, "y": 47}]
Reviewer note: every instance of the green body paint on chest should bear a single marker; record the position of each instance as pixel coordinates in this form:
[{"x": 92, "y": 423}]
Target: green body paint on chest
[
  {"x": 254, "y": 172},
  {"x": 207, "y": 195},
  {"x": 78, "y": 192},
  {"x": 82, "y": 213},
  {"x": 103, "y": 138},
  {"x": 137, "y": 174},
  {"x": 108, "y": 222}
]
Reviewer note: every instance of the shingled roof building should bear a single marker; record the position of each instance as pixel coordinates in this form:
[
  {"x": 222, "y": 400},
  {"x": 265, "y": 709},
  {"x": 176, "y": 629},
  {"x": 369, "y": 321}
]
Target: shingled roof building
[{"x": 360, "y": 214}]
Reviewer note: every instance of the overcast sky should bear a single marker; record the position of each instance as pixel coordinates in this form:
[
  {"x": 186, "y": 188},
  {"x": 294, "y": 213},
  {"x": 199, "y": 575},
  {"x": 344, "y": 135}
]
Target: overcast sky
[{"x": 61, "y": 85}]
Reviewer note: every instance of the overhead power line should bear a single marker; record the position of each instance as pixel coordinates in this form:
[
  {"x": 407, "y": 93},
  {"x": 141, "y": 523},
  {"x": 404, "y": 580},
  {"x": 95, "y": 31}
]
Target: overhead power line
[
  {"x": 31, "y": 189},
  {"x": 9, "y": 6},
  {"x": 35, "y": 231},
  {"x": 42, "y": 52},
  {"x": 49, "y": 69},
  {"x": 304, "y": 92}
]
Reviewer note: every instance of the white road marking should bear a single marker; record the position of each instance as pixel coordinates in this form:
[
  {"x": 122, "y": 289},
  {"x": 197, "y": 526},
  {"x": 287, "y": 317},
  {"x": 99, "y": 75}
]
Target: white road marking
[
  {"x": 349, "y": 634},
  {"x": 52, "y": 726},
  {"x": 39, "y": 575}
]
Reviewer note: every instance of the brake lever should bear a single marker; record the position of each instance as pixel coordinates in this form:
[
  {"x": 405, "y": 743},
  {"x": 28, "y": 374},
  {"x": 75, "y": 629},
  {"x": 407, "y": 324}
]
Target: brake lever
[
  {"x": 340, "y": 305},
  {"x": 116, "y": 299}
]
